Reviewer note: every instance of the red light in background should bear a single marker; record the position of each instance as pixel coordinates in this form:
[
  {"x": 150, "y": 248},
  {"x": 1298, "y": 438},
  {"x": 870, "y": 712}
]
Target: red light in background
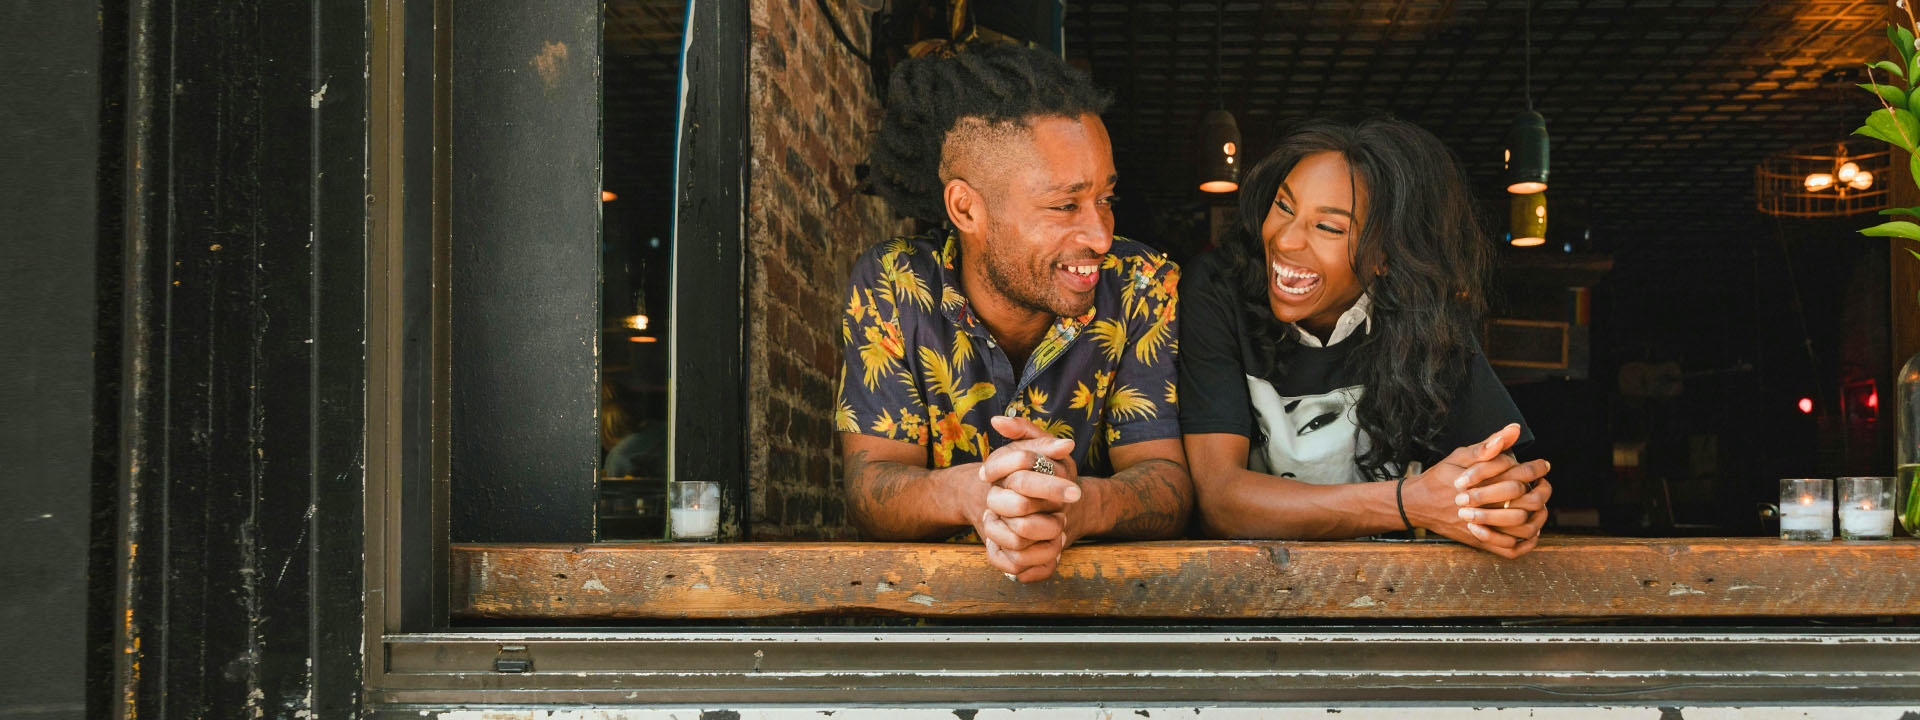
[
  {"x": 1806, "y": 405},
  {"x": 1873, "y": 401}
]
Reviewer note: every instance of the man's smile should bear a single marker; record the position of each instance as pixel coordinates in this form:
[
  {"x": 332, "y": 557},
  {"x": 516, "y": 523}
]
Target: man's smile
[{"x": 1080, "y": 275}]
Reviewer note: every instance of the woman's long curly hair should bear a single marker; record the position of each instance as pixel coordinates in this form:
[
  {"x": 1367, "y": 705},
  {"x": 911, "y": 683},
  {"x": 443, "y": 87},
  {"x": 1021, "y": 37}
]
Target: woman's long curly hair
[
  {"x": 926, "y": 96},
  {"x": 1420, "y": 256}
]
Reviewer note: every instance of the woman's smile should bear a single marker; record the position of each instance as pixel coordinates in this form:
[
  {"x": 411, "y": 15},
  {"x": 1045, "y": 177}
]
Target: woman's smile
[{"x": 1293, "y": 281}]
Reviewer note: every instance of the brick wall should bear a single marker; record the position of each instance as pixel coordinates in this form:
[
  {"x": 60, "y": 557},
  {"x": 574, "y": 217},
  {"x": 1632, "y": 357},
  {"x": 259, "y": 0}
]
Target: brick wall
[{"x": 812, "y": 114}]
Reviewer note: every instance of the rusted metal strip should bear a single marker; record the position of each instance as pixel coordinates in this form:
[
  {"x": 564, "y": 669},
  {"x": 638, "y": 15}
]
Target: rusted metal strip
[{"x": 1588, "y": 577}]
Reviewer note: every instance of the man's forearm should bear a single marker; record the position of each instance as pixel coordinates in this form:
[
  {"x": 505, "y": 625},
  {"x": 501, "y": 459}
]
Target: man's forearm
[
  {"x": 1147, "y": 501},
  {"x": 894, "y": 501}
]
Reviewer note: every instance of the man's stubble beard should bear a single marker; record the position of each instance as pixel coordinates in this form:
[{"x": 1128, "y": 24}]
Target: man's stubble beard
[{"x": 1020, "y": 285}]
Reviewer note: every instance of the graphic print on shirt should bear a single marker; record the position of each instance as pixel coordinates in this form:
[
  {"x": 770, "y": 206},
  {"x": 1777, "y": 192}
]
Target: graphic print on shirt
[{"x": 1312, "y": 438}]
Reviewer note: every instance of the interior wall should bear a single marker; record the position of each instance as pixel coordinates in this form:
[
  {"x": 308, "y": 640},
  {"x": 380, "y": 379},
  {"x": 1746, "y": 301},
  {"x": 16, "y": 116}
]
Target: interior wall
[{"x": 812, "y": 113}]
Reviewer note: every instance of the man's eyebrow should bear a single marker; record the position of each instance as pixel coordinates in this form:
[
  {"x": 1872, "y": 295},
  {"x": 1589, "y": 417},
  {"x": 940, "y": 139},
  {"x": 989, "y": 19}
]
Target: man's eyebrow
[{"x": 1079, "y": 186}]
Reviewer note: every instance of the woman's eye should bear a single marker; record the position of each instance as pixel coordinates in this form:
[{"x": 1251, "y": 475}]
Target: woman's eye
[
  {"x": 1320, "y": 421},
  {"x": 1283, "y": 207},
  {"x": 1331, "y": 229}
]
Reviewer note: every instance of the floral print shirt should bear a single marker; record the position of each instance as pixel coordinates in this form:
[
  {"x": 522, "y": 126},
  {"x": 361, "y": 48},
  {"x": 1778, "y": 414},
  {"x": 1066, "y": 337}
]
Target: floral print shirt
[{"x": 920, "y": 368}]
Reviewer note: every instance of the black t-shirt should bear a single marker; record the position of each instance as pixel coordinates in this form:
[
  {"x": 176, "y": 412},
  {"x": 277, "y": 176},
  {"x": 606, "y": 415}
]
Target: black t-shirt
[{"x": 1301, "y": 423}]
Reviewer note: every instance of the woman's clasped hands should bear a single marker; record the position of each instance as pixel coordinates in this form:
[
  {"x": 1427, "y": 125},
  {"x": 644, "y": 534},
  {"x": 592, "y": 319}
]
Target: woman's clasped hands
[{"x": 1482, "y": 496}]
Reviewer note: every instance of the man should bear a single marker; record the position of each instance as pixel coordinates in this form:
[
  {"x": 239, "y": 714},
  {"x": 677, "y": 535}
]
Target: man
[{"x": 1012, "y": 372}]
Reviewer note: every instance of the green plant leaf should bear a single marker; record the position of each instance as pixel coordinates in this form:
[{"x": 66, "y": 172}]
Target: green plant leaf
[
  {"x": 1897, "y": 228},
  {"x": 1903, "y": 40},
  {"x": 1888, "y": 94},
  {"x": 1913, "y": 167},
  {"x": 1900, "y": 128},
  {"x": 1914, "y": 253},
  {"x": 1890, "y": 68},
  {"x": 1875, "y": 134},
  {"x": 1912, "y": 212}
]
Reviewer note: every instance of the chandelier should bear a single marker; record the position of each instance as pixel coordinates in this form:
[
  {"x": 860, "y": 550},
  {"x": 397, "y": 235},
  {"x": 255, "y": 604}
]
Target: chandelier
[{"x": 1827, "y": 180}]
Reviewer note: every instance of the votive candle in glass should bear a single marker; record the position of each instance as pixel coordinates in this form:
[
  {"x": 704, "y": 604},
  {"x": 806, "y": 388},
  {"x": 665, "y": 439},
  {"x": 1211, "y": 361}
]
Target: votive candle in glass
[
  {"x": 1806, "y": 509},
  {"x": 1866, "y": 508},
  {"x": 693, "y": 510}
]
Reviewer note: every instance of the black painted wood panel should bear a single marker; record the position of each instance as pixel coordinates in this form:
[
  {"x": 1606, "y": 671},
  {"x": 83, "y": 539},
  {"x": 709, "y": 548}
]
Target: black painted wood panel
[
  {"x": 49, "y": 137},
  {"x": 709, "y": 324},
  {"x": 526, "y": 270},
  {"x": 243, "y": 410}
]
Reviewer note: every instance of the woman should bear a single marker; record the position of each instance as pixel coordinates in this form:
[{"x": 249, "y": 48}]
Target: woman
[{"x": 1334, "y": 345}]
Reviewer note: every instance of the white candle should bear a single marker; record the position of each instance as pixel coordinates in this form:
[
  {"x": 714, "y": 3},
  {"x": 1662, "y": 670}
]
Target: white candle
[
  {"x": 1866, "y": 521},
  {"x": 695, "y": 522},
  {"x": 1793, "y": 519},
  {"x": 1804, "y": 515}
]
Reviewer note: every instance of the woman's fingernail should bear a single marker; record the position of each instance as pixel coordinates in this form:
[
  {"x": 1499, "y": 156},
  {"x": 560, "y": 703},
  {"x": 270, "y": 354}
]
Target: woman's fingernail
[
  {"x": 1460, "y": 499},
  {"x": 1463, "y": 481},
  {"x": 1073, "y": 494},
  {"x": 1467, "y": 514}
]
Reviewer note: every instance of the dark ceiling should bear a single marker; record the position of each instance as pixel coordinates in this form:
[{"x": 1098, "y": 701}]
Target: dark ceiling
[
  {"x": 1658, "y": 109},
  {"x": 642, "y": 65}
]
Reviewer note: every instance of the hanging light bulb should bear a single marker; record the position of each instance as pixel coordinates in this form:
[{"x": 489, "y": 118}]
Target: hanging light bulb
[
  {"x": 1528, "y": 220},
  {"x": 1219, "y": 159},
  {"x": 1846, "y": 173},
  {"x": 1861, "y": 180},
  {"x": 1220, "y": 151},
  {"x": 1526, "y": 153},
  {"x": 1819, "y": 181}
]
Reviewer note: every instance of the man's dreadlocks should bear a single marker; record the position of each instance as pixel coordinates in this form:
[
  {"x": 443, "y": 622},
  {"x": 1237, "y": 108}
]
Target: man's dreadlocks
[{"x": 999, "y": 86}]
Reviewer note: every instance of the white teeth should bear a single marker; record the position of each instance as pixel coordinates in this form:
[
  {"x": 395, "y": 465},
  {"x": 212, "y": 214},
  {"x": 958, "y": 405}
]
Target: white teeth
[
  {"x": 1287, "y": 272},
  {"x": 1083, "y": 271},
  {"x": 1282, "y": 273}
]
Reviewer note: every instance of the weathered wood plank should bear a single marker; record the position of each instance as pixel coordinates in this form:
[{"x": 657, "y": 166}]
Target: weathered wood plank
[{"x": 1565, "y": 577}]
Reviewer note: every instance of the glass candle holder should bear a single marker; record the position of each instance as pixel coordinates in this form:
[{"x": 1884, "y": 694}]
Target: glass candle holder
[
  {"x": 1806, "y": 509},
  {"x": 694, "y": 510},
  {"x": 1866, "y": 508}
]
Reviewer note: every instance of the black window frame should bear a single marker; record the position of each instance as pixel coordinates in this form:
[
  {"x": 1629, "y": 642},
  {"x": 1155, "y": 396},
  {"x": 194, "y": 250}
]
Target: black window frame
[{"x": 342, "y": 476}]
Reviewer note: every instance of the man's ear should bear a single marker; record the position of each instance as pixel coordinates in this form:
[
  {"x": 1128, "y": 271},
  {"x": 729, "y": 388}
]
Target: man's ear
[{"x": 965, "y": 206}]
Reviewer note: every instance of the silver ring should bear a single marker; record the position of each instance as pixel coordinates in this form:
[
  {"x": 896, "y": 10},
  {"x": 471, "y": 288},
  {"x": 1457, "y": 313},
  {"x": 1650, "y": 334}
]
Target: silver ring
[{"x": 1043, "y": 465}]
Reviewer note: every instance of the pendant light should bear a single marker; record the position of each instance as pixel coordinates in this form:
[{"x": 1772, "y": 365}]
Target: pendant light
[
  {"x": 1219, "y": 134},
  {"x": 1526, "y": 152},
  {"x": 1527, "y": 219}
]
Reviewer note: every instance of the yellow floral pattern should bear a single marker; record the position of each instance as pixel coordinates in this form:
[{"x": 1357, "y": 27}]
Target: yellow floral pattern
[{"x": 930, "y": 374}]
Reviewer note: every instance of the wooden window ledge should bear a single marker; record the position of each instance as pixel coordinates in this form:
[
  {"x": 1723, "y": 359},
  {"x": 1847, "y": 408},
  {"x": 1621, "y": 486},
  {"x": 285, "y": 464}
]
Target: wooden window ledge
[{"x": 1564, "y": 577}]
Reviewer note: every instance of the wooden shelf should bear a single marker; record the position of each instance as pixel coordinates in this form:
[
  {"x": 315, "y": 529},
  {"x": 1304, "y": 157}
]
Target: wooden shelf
[{"x": 1565, "y": 577}]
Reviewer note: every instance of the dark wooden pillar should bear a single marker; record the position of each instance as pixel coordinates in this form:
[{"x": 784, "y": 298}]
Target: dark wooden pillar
[
  {"x": 525, "y": 306},
  {"x": 242, "y": 402}
]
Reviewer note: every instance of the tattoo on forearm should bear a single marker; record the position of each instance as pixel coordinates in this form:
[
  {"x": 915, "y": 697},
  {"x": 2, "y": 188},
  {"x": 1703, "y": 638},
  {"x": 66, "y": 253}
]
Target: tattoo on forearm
[
  {"x": 874, "y": 484},
  {"x": 1157, "y": 506}
]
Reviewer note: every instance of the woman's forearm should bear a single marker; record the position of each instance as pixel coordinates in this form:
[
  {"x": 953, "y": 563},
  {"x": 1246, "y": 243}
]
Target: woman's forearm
[{"x": 1241, "y": 503}]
